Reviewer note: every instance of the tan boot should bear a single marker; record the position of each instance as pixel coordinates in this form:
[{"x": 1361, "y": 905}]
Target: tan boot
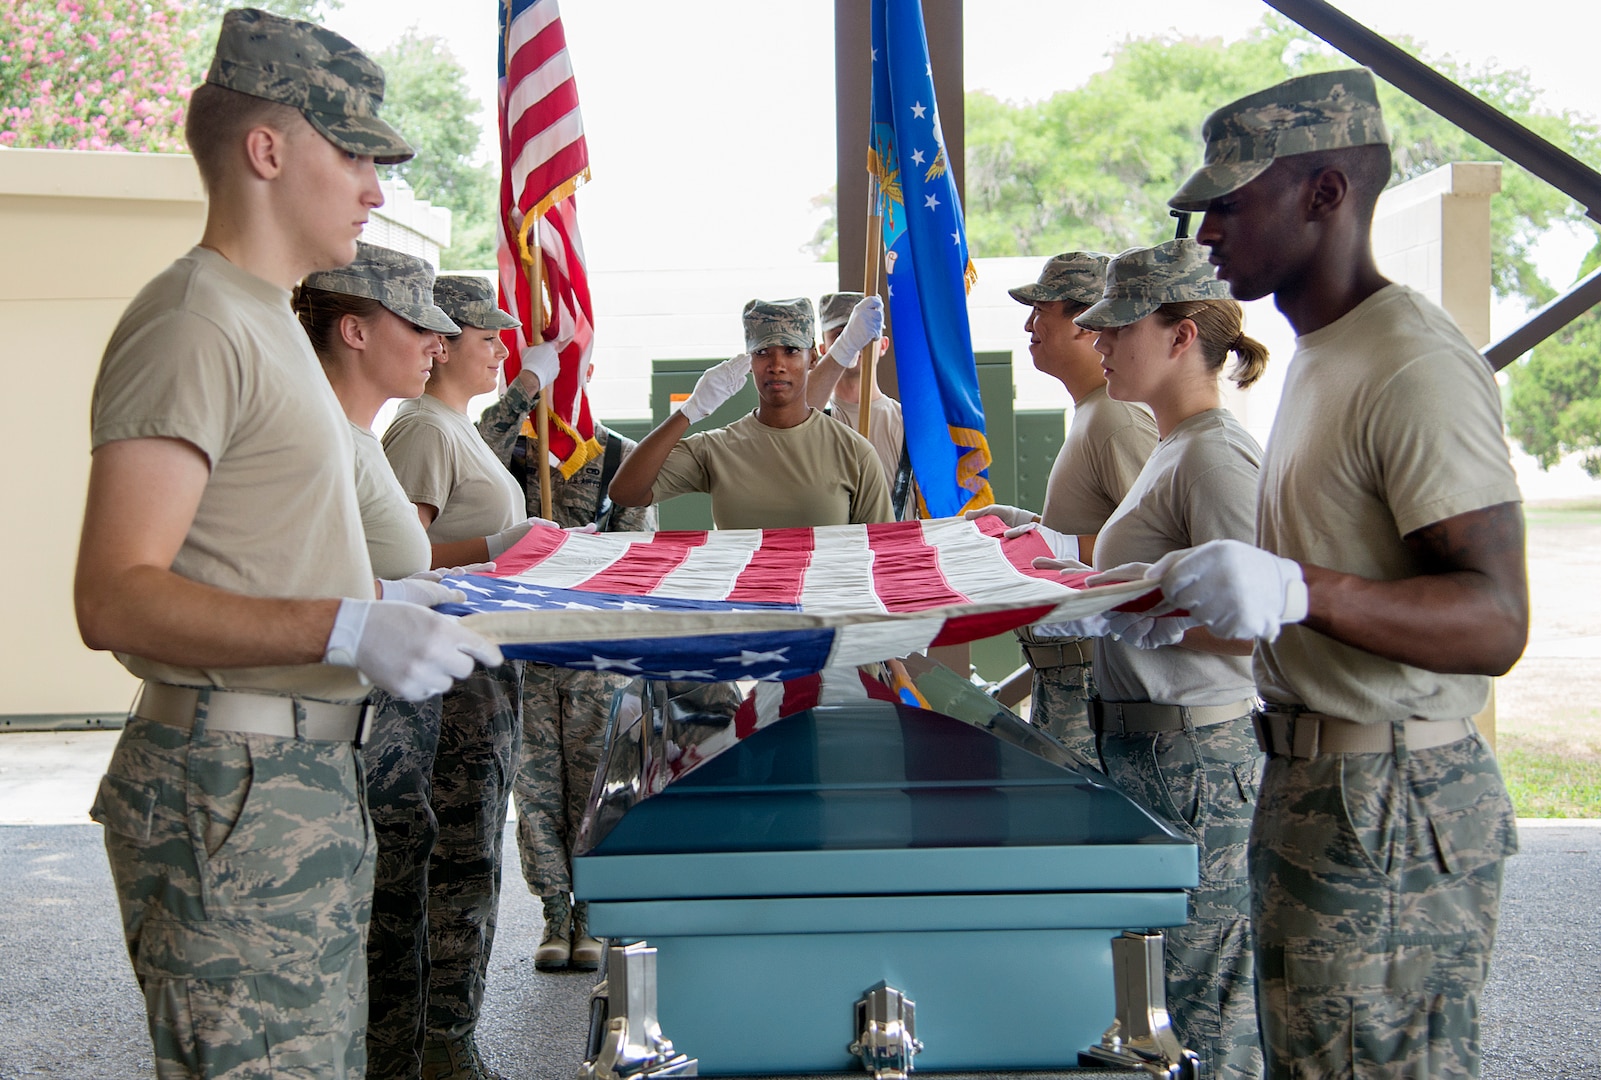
[
  {"x": 555, "y": 948},
  {"x": 586, "y": 951}
]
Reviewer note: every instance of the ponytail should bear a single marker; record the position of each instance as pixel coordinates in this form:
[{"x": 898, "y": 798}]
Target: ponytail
[{"x": 1219, "y": 329}]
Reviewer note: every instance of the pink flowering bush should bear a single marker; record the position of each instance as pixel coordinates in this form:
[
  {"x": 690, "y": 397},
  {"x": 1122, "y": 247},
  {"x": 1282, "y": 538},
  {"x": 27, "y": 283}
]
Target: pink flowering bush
[{"x": 93, "y": 74}]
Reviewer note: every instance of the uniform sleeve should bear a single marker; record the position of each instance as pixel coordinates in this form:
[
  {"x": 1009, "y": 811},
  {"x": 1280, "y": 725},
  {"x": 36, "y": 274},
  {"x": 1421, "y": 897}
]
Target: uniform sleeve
[
  {"x": 177, "y": 378},
  {"x": 1436, "y": 442},
  {"x": 684, "y": 470},
  {"x": 502, "y": 420},
  {"x": 1220, "y": 503},
  {"x": 1118, "y": 460},
  {"x": 870, "y": 502},
  {"x": 423, "y": 460}
]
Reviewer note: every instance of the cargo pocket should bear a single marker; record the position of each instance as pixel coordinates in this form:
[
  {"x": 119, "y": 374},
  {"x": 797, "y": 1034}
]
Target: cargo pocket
[
  {"x": 1475, "y": 836},
  {"x": 216, "y": 949},
  {"x": 124, "y": 806}
]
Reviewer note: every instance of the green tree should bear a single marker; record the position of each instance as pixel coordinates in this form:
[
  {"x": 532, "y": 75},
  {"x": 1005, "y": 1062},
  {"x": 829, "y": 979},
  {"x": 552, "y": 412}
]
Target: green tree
[
  {"x": 1554, "y": 396},
  {"x": 1094, "y": 166},
  {"x": 426, "y": 98},
  {"x": 824, "y": 244}
]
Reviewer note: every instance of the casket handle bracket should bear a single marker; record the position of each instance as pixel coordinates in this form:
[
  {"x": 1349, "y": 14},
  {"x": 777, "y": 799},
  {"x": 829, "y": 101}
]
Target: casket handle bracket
[
  {"x": 627, "y": 1043},
  {"x": 1141, "y": 1037},
  {"x": 886, "y": 1025}
]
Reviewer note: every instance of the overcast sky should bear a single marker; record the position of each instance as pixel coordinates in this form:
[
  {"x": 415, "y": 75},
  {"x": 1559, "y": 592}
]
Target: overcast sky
[{"x": 710, "y": 122}]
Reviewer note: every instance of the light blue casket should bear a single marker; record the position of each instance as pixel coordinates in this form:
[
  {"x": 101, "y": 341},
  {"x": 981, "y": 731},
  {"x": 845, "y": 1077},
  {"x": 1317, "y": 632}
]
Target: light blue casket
[{"x": 785, "y": 856}]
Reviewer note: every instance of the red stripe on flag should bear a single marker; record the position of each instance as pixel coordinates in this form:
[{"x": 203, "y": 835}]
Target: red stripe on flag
[
  {"x": 642, "y": 568},
  {"x": 973, "y": 627},
  {"x": 1021, "y": 551},
  {"x": 530, "y": 54},
  {"x": 777, "y": 569},
  {"x": 906, "y": 568},
  {"x": 540, "y": 544},
  {"x": 549, "y": 109}
]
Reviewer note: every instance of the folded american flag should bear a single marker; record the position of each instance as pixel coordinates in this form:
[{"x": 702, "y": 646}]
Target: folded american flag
[{"x": 769, "y": 604}]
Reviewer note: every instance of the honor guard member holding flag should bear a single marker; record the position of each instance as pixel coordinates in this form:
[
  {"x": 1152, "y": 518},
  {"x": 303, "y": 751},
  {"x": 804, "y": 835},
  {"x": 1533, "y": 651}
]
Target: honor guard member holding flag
[
  {"x": 835, "y": 381},
  {"x": 1107, "y": 444},
  {"x": 223, "y": 560},
  {"x": 1386, "y": 585},
  {"x": 564, "y": 709},
  {"x": 785, "y": 465}
]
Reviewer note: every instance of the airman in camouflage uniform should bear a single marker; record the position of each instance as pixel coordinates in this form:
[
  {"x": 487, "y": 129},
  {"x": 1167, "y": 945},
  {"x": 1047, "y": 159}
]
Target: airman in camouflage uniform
[
  {"x": 1383, "y": 823},
  {"x": 564, "y": 709},
  {"x": 242, "y": 855},
  {"x": 1176, "y": 734},
  {"x": 1107, "y": 442}
]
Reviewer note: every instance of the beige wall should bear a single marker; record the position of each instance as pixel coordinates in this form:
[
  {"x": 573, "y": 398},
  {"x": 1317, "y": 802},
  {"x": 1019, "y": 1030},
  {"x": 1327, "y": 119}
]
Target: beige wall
[{"x": 83, "y": 232}]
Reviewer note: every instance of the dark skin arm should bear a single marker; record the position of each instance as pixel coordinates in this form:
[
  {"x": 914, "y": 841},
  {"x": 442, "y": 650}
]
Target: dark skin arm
[
  {"x": 1467, "y": 612},
  {"x": 637, "y": 474}
]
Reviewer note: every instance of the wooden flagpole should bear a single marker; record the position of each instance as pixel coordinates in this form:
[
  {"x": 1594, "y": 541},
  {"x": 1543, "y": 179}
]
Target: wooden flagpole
[
  {"x": 869, "y": 355},
  {"x": 534, "y": 262}
]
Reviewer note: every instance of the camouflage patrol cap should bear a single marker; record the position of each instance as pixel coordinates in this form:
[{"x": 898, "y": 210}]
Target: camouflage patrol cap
[
  {"x": 1075, "y": 276},
  {"x": 1327, "y": 111},
  {"x": 1140, "y": 280},
  {"x": 835, "y": 308},
  {"x": 402, "y": 283},
  {"x": 308, "y": 67},
  {"x": 469, "y": 300},
  {"x": 780, "y": 322}
]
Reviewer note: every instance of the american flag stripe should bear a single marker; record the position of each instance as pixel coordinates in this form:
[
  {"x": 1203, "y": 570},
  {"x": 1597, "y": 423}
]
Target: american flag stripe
[{"x": 770, "y": 604}]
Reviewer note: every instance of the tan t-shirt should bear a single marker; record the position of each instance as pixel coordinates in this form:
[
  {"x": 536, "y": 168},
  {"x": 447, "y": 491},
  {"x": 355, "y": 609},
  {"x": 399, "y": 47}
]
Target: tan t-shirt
[
  {"x": 816, "y": 473},
  {"x": 1199, "y": 485},
  {"x": 1390, "y": 421},
  {"x": 1106, "y": 446},
  {"x": 887, "y": 432},
  {"x": 440, "y": 459},
  {"x": 212, "y": 355},
  {"x": 396, "y": 542}
]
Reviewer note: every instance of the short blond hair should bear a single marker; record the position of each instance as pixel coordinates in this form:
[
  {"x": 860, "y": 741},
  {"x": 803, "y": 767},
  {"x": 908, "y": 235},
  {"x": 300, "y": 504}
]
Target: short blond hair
[{"x": 219, "y": 117}]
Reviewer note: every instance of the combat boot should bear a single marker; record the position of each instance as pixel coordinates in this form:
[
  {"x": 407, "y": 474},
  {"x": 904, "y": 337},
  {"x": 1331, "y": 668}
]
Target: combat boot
[
  {"x": 455, "y": 1059},
  {"x": 555, "y": 948},
  {"x": 587, "y": 951}
]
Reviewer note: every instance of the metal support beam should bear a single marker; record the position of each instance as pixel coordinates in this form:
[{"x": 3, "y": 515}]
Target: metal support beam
[
  {"x": 1545, "y": 322},
  {"x": 1416, "y": 79}
]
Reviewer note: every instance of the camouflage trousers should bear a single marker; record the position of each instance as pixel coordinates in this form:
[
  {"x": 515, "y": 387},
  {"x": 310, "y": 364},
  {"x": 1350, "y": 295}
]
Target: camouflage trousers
[
  {"x": 1057, "y": 706},
  {"x": 564, "y": 723},
  {"x": 243, "y": 867},
  {"x": 1376, "y": 886},
  {"x": 1203, "y": 782},
  {"x": 438, "y": 780}
]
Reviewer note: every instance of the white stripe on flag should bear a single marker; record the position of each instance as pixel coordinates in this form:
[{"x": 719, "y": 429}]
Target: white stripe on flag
[
  {"x": 711, "y": 569},
  {"x": 975, "y": 566},
  {"x": 537, "y": 84},
  {"x": 573, "y": 564},
  {"x": 840, "y": 575},
  {"x": 544, "y": 146},
  {"x": 529, "y": 22},
  {"x": 867, "y": 643}
]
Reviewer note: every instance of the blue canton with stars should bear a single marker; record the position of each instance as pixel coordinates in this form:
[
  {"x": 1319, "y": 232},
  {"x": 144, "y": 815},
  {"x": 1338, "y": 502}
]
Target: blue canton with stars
[{"x": 766, "y": 656}]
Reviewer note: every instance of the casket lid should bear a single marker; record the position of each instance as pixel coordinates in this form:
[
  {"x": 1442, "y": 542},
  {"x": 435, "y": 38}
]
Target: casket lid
[{"x": 870, "y": 797}]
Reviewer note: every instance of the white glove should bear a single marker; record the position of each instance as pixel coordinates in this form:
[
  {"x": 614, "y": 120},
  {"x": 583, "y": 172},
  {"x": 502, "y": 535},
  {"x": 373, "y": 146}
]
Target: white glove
[
  {"x": 501, "y": 542},
  {"x": 1129, "y": 571},
  {"x": 407, "y": 650},
  {"x": 1062, "y": 566},
  {"x": 443, "y": 572},
  {"x": 1088, "y": 626},
  {"x": 1063, "y": 545},
  {"x": 423, "y": 588},
  {"x": 1013, "y": 516},
  {"x": 543, "y": 362},
  {"x": 715, "y": 386},
  {"x": 1143, "y": 630},
  {"x": 1233, "y": 589},
  {"x": 865, "y": 326}
]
